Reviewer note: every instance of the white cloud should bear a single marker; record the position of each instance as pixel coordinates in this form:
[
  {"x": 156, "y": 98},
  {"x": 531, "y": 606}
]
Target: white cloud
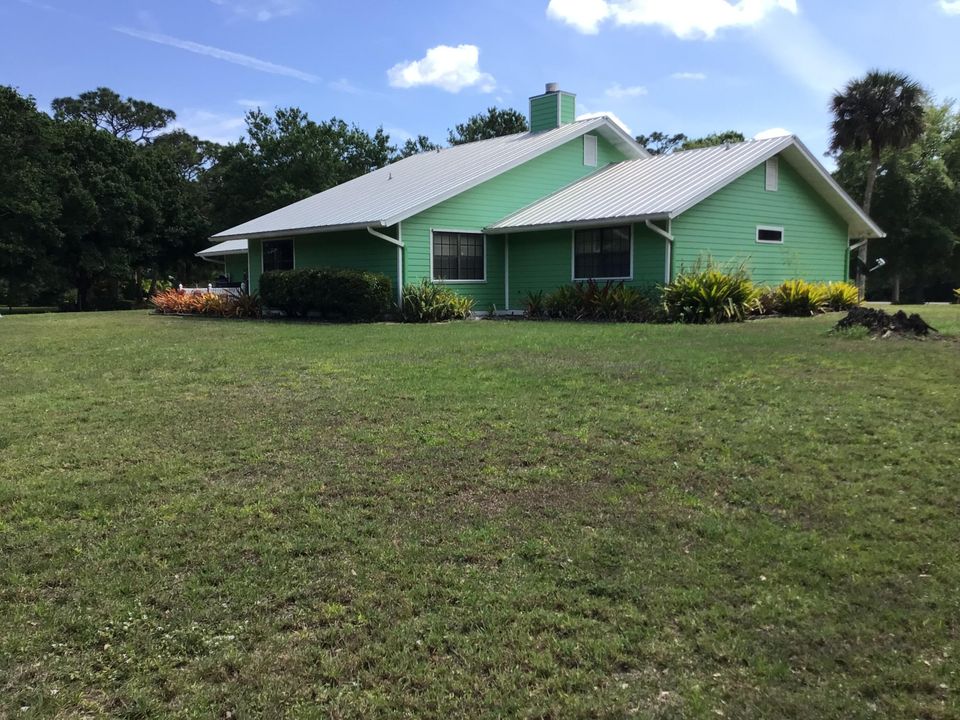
[
  {"x": 771, "y": 133},
  {"x": 226, "y": 55},
  {"x": 950, "y": 7},
  {"x": 207, "y": 125},
  {"x": 689, "y": 76},
  {"x": 606, "y": 114},
  {"x": 261, "y": 10},
  {"x": 617, "y": 92},
  {"x": 684, "y": 18},
  {"x": 584, "y": 15},
  {"x": 251, "y": 104},
  {"x": 449, "y": 68}
]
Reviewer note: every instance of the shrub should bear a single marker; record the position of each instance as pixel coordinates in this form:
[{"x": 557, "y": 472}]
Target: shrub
[
  {"x": 841, "y": 296},
  {"x": 179, "y": 302},
  {"x": 591, "y": 300},
  {"x": 800, "y": 298},
  {"x": 711, "y": 296},
  {"x": 429, "y": 302},
  {"x": 332, "y": 294},
  {"x": 534, "y": 305}
]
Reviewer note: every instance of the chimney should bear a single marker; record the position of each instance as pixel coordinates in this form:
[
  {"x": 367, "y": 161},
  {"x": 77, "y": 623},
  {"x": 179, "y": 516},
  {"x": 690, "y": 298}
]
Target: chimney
[{"x": 552, "y": 109}]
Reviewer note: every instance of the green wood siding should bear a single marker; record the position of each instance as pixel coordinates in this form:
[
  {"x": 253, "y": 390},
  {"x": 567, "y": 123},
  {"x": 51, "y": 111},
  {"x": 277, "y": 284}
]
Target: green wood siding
[
  {"x": 476, "y": 208},
  {"x": 544, "y": 261},
  {"x": 236, "y": 267},
  {"x": 568, "y": 108},
  {"x": 355, "y": 249},
  {"x": 723, "y": 227},
  {"x": 543, "y": 113}
]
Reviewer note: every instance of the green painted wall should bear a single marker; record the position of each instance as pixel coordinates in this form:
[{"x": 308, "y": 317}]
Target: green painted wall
[
  {"x": 543, "y": 111},
  {"x": 477, "y": 208},
  {"x": 724, "y": 227},
  {"x": 354, "y": 249},
  {"x": 236, "y": 267},
  {"x": 544, "y": 261}
]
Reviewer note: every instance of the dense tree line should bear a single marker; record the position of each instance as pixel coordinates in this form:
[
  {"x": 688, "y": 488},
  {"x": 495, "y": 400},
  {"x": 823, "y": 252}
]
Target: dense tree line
[{"x": 104, "y": 198}]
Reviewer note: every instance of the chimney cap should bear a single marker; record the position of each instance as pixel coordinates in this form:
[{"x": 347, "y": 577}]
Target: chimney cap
[{"x": 553, "y": 87}]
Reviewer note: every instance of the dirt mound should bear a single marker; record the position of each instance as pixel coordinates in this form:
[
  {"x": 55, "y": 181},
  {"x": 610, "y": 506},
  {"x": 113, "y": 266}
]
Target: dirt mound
[{"x": 883, "y": 324}]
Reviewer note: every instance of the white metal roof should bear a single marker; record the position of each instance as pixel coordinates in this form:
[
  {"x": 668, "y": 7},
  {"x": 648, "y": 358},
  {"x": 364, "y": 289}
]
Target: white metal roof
[
  {"x": 393, "y": 193},
  {"x": 665, "y": 186},
  {"x": 230, "y": 247}
]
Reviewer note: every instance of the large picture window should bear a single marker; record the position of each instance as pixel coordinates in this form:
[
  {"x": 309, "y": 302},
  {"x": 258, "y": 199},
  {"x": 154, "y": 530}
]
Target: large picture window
[
  {"x": 458, "y": 256},
  {"x": 277, "y": 255},
  {"x": 602, "y": 254}
]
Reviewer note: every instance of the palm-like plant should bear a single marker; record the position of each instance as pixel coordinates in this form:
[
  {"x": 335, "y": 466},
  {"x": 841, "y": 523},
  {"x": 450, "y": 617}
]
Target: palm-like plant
[{"x": 880, "y": 111}]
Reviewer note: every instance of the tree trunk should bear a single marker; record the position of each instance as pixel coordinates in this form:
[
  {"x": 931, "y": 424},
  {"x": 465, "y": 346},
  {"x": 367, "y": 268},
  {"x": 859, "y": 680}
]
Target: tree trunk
[
  {"x": 863, "y": 253},
  {"x": 896, "y": 288}
]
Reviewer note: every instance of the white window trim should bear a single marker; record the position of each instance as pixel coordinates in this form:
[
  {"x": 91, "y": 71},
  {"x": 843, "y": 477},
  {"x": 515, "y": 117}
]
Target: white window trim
[
  {"x": 462, "y": 232},
  {"x": 771, "y": 170},
  {"x": 573, "y": 257},
  {"x": 591, "y": 139},
  {"x": 774, "y": 228},
  {"x": 293, "y": 242}
]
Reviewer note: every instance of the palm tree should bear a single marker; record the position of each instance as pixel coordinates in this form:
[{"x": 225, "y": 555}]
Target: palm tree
[{"x": 880, "y": 111}]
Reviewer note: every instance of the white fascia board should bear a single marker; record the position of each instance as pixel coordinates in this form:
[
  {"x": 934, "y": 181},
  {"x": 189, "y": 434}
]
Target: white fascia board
[
  {"x": 593, "y": 223},
  {"x": 302, "y": 231},
  {"x": 866, "y": 219}
]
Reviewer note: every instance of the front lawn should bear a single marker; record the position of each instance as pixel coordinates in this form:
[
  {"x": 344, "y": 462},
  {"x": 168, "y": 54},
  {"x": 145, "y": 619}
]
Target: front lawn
[{"x": 479, "y": 519}]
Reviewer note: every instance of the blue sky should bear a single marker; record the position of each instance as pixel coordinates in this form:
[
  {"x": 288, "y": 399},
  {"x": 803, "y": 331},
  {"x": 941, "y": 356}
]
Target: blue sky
[{"x": 420, "y": 66}]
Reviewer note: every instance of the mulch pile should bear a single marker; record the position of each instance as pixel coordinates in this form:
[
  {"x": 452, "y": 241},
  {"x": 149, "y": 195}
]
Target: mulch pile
[{"x": 883, "y": 324}]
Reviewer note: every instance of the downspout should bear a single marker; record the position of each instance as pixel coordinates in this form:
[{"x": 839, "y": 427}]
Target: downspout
[
  {"x": 506, "y": 273},
  {"x": 667, "y": 235},
  {"x": 398, "y": 241}
]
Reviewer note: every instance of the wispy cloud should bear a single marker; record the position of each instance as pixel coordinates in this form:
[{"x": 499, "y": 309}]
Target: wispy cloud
[
  {"x": 251, "y": 104},
  {"x": 345, "y": 86},
  {"x": 261, "y": 10},
  {"x": 246, "y": 61},
  {"x": 206, "y": 125},
  {"x": 449, "y": 68},
  {"x": 39, "y": 5},
  {"x": 618, "y": 92},
  {"x": 950, "y": 7},
  {"x": 689, "y": 76}
]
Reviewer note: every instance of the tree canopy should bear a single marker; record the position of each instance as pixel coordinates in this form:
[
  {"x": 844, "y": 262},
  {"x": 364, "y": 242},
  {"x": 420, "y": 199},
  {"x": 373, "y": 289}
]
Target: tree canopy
[
  {"x": 493, "y": 123},
  {"x": 661, "y": 143},
  {"x": 130, "y": 119}
]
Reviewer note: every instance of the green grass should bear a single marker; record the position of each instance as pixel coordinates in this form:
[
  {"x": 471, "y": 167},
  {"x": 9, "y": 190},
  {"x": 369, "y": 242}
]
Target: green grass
[{"x": 479, "y": 519}]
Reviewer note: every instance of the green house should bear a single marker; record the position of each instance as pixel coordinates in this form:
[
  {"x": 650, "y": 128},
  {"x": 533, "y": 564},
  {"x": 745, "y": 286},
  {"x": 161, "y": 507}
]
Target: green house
[{"x": 569, "y": 200}]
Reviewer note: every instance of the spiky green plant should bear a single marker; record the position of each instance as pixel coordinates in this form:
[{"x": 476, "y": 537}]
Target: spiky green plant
[
  {"x": 711, "y": 295},
  {"x": 841, "y": 296},
  {"x": 429, "y": 302},
  {"x": 800, "y": 298}
]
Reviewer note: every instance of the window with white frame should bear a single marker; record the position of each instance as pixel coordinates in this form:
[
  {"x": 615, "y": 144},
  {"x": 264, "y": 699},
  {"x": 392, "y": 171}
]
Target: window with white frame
[
  {"x": 602, "y": 254},
  {"x": 769, "y": 234},
  {"x": 773, "y": 175},
  {"x": 277, "y": 255},
  {"x": 590, "y": 150},
  {"x": 458, "y": 256}
]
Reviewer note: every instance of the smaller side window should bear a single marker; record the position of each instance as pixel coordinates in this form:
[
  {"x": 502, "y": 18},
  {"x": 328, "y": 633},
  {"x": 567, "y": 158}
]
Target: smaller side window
[
  {"x": 590, "y": 150},
  {"x": 769, "y": 235},
  {"x": 773, "y": 174},
  {"x": 277, "y": 255}
]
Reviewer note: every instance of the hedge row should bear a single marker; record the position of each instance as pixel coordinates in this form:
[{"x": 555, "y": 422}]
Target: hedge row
[{"x": 331, "y": 294}]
